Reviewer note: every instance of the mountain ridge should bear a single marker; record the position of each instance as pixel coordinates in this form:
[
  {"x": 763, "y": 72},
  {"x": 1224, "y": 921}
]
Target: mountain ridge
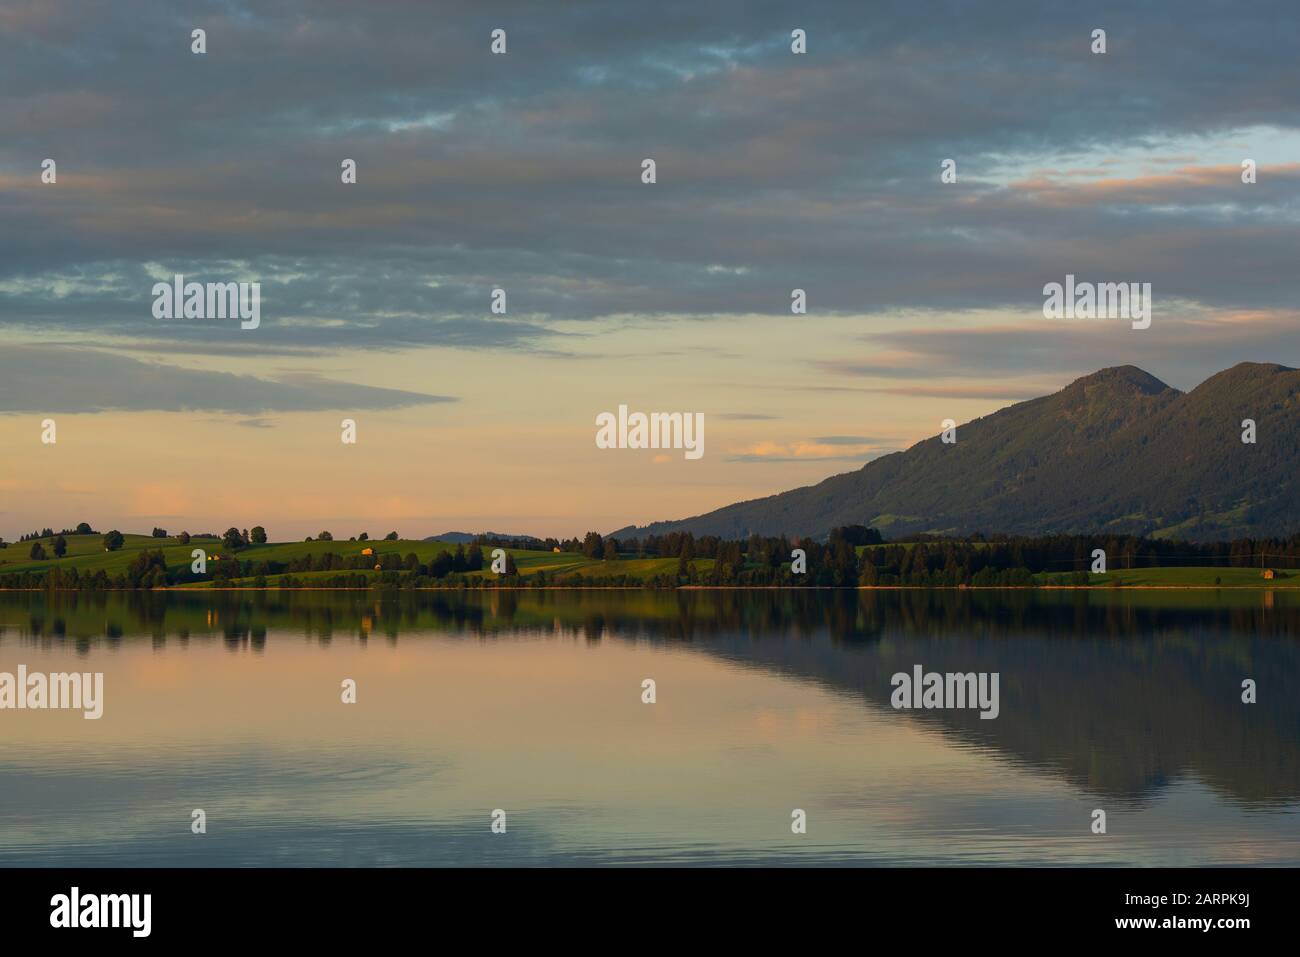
[
  {"x": 466, "y": 538},
  {"x": 1116, "y": 451}
]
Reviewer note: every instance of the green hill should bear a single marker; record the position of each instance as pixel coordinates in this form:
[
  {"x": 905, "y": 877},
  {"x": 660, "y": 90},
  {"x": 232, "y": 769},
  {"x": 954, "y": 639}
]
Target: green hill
[{"x": 86, "y": 553}]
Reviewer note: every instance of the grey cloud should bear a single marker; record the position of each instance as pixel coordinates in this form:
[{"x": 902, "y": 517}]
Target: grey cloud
[
  {"x": 1181, "y": 352},
  {"x": 819, "y": 171},
  {"x": 861, "y": 458},
  {"x": 50, "y": 379},
  {"x": 933, "y": 391}
]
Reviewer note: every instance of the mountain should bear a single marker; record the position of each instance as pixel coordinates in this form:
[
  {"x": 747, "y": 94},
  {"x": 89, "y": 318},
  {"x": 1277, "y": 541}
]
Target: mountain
[
  {"x": 1116, "y": 451},
  {"x": 464, "y": 538}
]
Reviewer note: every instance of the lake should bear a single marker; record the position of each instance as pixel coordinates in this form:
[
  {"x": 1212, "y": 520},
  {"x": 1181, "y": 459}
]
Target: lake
[{"x": 766, "y": 702}]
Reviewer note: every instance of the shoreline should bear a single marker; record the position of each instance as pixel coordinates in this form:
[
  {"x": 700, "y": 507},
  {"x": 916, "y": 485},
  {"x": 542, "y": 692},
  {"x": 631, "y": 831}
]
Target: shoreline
[{"x": 639, "y": 588}]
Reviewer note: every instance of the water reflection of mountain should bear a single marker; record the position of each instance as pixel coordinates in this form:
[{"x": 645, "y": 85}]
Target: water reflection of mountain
[
  {"x": 1119, "y": 693},
  {"x": 1119, "y": 716}
]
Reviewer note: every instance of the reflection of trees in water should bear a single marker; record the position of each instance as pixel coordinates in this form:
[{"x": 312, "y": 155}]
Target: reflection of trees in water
[
  {"x": 687, "y": 615},
  {"x": 1120, "y": 693}
]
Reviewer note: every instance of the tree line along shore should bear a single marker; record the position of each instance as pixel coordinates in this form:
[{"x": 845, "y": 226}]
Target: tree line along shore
[{"x": 82, "y": 558}]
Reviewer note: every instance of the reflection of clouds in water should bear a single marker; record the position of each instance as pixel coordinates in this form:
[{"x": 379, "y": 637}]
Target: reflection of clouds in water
[{"x": 774, "y": 700}]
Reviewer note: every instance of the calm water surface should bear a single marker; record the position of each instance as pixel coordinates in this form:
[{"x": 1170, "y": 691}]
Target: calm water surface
[{"x": 767, "y": 701}]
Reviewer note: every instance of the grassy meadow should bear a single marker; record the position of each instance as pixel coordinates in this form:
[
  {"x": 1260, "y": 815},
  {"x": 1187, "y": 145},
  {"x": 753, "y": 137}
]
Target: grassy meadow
[
  {"x": 86, "y": 553},
  {"x": 1189, "y": 577}
]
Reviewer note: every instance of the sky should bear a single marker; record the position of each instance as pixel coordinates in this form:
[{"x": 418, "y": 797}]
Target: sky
[{"x": 522, "y": 171}]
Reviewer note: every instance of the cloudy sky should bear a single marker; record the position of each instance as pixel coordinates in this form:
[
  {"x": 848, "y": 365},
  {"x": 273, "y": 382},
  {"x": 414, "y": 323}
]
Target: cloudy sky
[{"x": 522, "y": 171}]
